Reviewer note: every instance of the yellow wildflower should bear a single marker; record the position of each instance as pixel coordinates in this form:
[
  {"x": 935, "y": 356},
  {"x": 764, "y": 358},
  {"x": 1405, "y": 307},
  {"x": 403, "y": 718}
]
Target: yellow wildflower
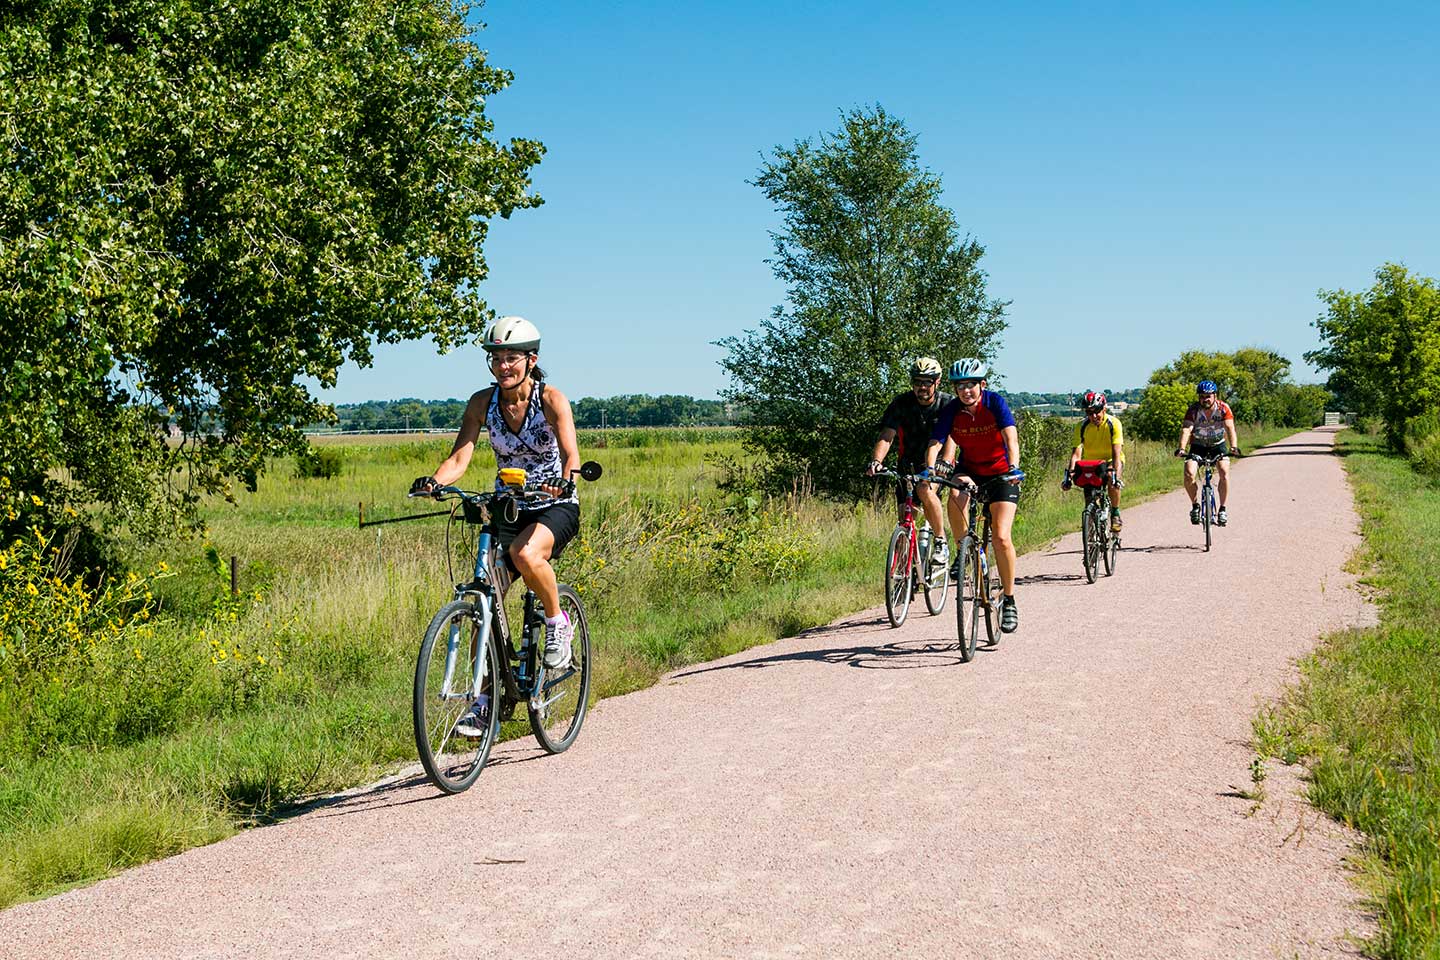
[
  {"x": 36, "y": 500},
  {"x": 30, "y": 589}
]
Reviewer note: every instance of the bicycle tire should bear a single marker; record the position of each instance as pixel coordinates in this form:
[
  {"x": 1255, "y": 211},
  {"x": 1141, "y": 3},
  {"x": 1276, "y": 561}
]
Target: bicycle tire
[
  {"x": 898, "y": 573},
  {"x": 1205, "y": 513},
  {"x": 564, "y": 699},
  {"x": 993, "y": 593},
  {"x": 967, "y": 605},
  {"x": 453, "y": 762},
  {"x": 935, "y": 595},
  {"x": 1089, "y": 545},
  {"x": 1112, "y": 551}
]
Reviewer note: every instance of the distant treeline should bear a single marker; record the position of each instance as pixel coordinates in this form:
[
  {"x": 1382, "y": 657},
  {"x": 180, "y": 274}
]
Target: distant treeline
[
  {"x": 629, "y": 410},
  {"x": 1020, "y": 398}
]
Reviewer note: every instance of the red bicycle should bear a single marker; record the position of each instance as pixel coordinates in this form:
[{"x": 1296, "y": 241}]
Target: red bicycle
[{"x": 908, "y": 566}]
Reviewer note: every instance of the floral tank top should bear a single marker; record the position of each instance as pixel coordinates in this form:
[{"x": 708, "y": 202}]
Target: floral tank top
[{"x": 533, "y": 448}]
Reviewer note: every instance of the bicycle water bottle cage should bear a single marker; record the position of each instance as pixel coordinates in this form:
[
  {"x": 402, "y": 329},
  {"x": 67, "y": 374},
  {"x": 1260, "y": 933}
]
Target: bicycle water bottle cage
[{"x": 513, "y": 477}]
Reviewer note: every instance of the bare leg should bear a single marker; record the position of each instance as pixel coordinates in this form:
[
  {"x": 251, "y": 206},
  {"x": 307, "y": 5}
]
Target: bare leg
[
  {"x": 1191, "y": 487},
  {"x": 1224, "y": 485},
  {"x": 1002, "y": 518},
  {"x": 531, "y": 552}
]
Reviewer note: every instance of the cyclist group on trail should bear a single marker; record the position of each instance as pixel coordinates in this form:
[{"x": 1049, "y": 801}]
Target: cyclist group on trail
[
  {"x": 1208, "y": 430},
  {"x": 531, "y": 427}
]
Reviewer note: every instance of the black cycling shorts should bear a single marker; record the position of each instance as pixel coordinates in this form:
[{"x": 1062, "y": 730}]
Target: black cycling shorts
[
  {"x": 561, "y": 519},
  {"x": 996, "y": 489},
  {"x": 1221, "y": 449}
]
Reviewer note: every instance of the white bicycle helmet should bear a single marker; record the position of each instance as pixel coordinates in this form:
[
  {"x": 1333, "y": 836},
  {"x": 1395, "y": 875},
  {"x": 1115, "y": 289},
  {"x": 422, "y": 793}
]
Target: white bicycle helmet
[
  {"x": 925, "y": 368},
  {"x": 967, "y": 368},
  {"x": 511, "y": 333}
]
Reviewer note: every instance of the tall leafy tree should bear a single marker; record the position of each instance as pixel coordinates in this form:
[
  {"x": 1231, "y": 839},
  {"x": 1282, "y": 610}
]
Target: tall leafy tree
[
  {"x": 876, "y": 273},
  {"x": 203, "y": 203},
  {"x": 1382, "y": 348}
]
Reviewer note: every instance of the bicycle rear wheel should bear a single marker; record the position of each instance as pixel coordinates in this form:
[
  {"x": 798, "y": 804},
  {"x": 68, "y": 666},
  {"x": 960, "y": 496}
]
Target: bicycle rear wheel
[
  {"x": 443, "y": 693},
  {"x": 937, "y": 581},
  {"x": 898, "y": 570},
  {"x": 559, "y": 708},
  {"x": 967, "y": 594},
  {"x": 1089, "y": 542}
]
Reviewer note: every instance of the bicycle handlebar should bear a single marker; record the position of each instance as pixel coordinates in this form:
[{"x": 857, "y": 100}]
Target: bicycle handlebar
[{"x": 1209, "y": 461}]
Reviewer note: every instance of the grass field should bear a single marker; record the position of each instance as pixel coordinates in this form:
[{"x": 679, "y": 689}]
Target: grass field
[
  {"x": 1365, "y": 716},
  {"x": 225, "y": 711}
]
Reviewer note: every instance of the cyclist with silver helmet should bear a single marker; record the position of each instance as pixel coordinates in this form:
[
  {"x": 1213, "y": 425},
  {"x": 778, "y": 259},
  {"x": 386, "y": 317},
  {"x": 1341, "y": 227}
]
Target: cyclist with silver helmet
[
  {"x": 987, "y": 448},
  {"x": 1208, "y": 430},
  {"x": 1100, "y": 437},
  {"x": 909, "y": 420},
  {"x": 530, "y": 426}
]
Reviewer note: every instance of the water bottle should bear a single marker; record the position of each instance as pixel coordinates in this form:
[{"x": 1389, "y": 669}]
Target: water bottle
[{"x": 924, "y": 540}]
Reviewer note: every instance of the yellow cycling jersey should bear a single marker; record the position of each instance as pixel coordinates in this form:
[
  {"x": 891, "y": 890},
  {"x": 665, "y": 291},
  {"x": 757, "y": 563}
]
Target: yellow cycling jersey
[{"x": 1097, "y": 438}]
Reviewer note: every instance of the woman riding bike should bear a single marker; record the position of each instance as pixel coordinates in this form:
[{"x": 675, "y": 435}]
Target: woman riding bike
[
  {"x": 531, "y": 426},
  {"x": 987, "y": 449}
]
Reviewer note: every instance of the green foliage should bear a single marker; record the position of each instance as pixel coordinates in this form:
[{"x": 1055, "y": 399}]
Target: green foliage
[
  {"x": 1244, "y": 377},
  {"x": 322, "y": 463},
  {"x": 1422, "y": 443},
  {"x": 1045, "y": 445},
  {"x": 876, "y": 273},
  {"x": 1160, "y": 412},
  {"x": 204, "y": 204},
  {"x": 1382, "y": 347}
]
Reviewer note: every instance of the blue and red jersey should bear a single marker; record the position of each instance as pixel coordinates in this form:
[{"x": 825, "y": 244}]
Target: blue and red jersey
[{"x": 979, "y": 445}]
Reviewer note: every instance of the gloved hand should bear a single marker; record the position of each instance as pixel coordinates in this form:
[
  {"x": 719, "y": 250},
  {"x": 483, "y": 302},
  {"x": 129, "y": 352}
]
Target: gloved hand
[
  {"x": 1179, "y": 452},
  {"x": 872, "y": 468},
  {"x": 1237, "y": 452},
  {"x": 1065, "y": 482},
  {"x": 424, "y": 486}
]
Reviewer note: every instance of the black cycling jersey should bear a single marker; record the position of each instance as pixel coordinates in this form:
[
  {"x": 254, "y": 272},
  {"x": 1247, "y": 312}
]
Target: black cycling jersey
[{"x": 913, "y": 425}]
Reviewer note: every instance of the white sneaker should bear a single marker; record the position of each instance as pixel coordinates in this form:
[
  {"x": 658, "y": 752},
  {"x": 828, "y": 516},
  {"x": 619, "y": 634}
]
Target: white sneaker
[
  {"x": 939, "y": 557},
  {"x": 557, "y": 643},
  {"x": 476, "y": 720}
]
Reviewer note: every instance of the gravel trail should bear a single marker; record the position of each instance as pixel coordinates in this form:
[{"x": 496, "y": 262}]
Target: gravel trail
[{"x": 854, "y": 791}]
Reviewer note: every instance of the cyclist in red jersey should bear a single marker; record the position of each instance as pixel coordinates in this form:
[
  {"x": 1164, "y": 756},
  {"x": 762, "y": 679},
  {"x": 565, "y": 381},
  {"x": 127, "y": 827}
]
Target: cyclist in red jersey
[{"x": 987, "y": 447}]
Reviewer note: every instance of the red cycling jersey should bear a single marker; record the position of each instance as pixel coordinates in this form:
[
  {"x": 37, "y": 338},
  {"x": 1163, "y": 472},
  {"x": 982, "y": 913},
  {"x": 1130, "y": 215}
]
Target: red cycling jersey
[{"x": 980, "y": 446}]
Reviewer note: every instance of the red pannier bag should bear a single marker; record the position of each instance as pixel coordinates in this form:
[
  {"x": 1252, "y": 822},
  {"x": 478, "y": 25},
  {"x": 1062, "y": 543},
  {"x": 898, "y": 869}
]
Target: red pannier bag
[{"x": 1091, "y": 473}]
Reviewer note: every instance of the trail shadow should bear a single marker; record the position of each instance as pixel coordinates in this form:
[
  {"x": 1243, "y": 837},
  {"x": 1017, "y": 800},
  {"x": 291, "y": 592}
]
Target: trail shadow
[
  {"x": 1167, "y": 548},
  {"x": 1328, "y": 451},
  {"x": 1049, "y": 578},
  {"x": 924, "y": 654},
  {"x": 379, "y": 796}
]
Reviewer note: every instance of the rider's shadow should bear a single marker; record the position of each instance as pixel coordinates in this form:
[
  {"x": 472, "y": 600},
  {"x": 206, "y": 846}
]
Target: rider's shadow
[{"x": 923, "y": 654}]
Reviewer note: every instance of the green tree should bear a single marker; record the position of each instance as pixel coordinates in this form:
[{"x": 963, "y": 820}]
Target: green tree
[
  {"x": 1382, "y": 347},
  {"x": 203, "y": 203},
  {"x": 876, "y": 273},
  {"x": 1162, "y": 408}
]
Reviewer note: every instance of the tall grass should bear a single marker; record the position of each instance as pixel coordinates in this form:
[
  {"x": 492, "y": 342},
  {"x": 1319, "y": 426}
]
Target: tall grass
[
  {"x": 1365, "y": 715},
  {"x": 299, "y": 684}
]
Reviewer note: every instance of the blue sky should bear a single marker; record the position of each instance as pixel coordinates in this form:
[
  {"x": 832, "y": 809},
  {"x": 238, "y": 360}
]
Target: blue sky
[{"x": 1145, "y": 178}]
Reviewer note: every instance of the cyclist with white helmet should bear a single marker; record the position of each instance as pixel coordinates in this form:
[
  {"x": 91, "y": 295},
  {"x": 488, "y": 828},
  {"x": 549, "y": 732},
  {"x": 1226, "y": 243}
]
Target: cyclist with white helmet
[
  {"x": 530, "y": 426},
  {"x": 1208, "y": 430},
  {"x": 1100, "y": 437},
  {"x": 987, "y": 448},
  {"x": 909, "y": 420}
]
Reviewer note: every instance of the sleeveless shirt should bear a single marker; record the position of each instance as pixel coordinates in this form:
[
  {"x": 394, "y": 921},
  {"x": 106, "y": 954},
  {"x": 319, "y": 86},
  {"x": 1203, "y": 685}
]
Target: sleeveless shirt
[{"x": 533, "y": 448}]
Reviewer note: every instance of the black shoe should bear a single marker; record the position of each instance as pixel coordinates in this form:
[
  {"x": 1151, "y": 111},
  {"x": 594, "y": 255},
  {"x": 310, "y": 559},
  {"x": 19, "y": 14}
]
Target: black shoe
[
  {"x": 1222, "y": 518},
  {"x": 1195, "y": 513},
  {"x": 1009, "y": 616}
]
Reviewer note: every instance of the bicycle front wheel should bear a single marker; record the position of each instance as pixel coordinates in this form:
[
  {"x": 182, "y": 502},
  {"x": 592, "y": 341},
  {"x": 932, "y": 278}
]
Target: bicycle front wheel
[
  {"x": 1089, "y": 543},
  {"x": 1112, "y": 552},
  {"x": 444, "y": 691},
  {"x": 558, "y": 708},
  {"x": 1206, "y": 514},
  {"x": 897, "y": 577},
  {"x": 967, "y": 597},
  {"x": 937, "y": 580}
]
